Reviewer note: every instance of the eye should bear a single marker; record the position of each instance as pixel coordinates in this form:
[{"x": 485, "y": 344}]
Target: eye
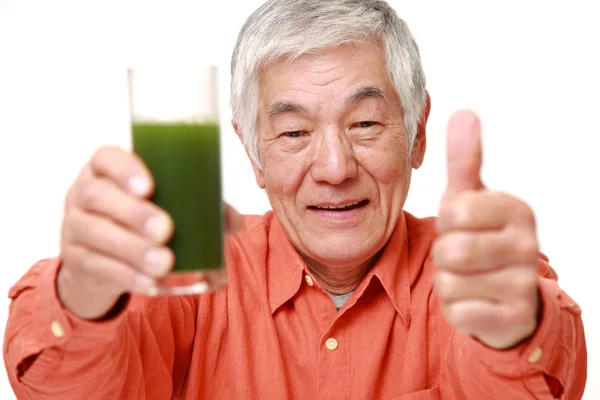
[
  {"x": 293, "y": 134},
  {"x": 365, "y": 124}
]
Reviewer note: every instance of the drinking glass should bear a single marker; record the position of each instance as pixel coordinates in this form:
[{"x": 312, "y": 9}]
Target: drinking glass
[{"x": 175, "y": 130}]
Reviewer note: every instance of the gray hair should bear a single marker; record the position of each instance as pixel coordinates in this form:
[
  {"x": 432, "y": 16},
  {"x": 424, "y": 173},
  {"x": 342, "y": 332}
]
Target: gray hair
[{"x": 286, "y": 29}]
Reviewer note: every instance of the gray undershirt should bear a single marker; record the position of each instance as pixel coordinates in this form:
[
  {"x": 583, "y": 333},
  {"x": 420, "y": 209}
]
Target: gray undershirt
[{"x": 340, "y": 299}]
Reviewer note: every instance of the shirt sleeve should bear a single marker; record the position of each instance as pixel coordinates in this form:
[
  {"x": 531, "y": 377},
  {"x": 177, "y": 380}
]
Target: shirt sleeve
[
  {"x": 550, "y": 365},
  {"x": 51, "y": 353}
]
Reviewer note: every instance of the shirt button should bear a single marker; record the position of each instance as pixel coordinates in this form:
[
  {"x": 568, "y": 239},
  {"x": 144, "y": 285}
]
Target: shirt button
[
  {"x": 57, "y": 329},
  {"x": 535, "y": 356},
  {"x": 308, "y": 280},
  {"x": 331, "y": 344}
]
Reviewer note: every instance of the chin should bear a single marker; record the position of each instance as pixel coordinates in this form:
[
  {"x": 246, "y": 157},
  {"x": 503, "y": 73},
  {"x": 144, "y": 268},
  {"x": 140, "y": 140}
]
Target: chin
[{"x": 342, "y": 249}]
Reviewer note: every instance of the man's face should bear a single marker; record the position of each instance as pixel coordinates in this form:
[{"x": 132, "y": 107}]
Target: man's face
[{"x": 335, "y": 152}]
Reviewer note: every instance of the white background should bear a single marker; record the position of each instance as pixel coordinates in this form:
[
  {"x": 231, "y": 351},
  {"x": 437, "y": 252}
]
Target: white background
[{"x": 529, "y": 68}]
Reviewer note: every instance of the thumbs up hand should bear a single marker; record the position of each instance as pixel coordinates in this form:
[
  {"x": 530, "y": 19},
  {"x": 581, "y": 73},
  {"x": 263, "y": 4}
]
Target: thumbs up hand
[{"x": 487, "y": 251}]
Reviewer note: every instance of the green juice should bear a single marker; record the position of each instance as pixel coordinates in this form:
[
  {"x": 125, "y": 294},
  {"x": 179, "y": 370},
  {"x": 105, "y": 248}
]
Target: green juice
[{"x": 185, "y": 161}]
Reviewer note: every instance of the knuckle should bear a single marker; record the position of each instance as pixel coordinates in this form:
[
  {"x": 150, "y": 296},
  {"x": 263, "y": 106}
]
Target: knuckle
[
  {"x": 93, "y": 193},
  {"x": 103, "y": 152},
  {"x": 443, "y": 286},
  {"x": 526, "y": 284},
  {"x": 73, "y": 228},
  {"x": 459, "y": 251},
  {"x": 138, "y": 213},
  {"x": 458, "y": 317},
  {"x": 524, "y": 213},
  {"x": 464, "y": 208},
  {"x": 460, "y": 211},
  {"x": 70, "y": 196},
  {"x": 129, "y": 280},
  {"x": 99, "y": 155},
  {"x": 125, "y": 279},
  {"x": 105, "y": 273},
  {"x": 517, "y": 315},
  {"x": 67, "y": 225},
  {"x": 527, "y": 248},
  {"x": 521, "y": 287},
  {"x": 96, "y": 231},
  {"x": 436, "y": 251},
  {"x": 131, "y": 248},
  {"x": 444, "y": 221},
  {"x": 453, "y": 251}
]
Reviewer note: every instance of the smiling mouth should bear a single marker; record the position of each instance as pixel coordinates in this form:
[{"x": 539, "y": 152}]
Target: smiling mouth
[{"x": 343, "y": 207}]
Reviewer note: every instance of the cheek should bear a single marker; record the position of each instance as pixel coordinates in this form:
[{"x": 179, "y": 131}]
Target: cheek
[
  {"x": 388, "y": 164},
  {"x": 283, "y": 176}
]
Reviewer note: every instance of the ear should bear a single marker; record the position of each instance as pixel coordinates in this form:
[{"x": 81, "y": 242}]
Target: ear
[
  {"x": 259, "y": 175},
  {"x": 420, "y": 144}
]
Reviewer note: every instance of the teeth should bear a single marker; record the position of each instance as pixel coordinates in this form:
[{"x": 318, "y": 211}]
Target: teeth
[{"x": 337, "y": 207}]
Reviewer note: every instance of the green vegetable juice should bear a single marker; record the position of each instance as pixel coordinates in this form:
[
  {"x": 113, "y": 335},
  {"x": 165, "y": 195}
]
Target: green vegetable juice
[{"x": 185, "y": 162}]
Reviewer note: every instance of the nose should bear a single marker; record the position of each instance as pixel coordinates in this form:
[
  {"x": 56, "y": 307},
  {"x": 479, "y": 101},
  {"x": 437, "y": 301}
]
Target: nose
[{"x": 334, "y": 159}]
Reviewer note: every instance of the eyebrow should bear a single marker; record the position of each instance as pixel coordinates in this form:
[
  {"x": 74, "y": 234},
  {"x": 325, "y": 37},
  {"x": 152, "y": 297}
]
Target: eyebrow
[
  {"x": 280, "y": 107},
  {"x": 365, "y": 93}
]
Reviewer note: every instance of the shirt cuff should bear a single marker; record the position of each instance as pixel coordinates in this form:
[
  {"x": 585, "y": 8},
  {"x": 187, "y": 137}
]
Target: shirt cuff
[
  {"x": 45, "y": 326},
  {"x": 40, "y": 330},
  {"x": 70, "y": 329}
]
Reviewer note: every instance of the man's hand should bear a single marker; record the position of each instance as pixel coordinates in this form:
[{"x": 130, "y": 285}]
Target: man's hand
[
  {"x": 487, "y": 251},
  {"x": 114, "y": 239}
]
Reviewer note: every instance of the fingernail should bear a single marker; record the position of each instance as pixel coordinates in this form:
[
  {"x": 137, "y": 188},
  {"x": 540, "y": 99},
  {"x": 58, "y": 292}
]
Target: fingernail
[
  {"x": 143, "y": 283},
  {"x": 139, "y": 186},
  {"x": 157, "y": 227},
  {"x": 158, "y": 261}
]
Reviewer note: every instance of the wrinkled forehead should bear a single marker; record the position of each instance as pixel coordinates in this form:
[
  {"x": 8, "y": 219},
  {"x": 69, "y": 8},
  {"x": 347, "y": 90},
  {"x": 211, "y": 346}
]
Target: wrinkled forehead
[
  {"x": 319, "y": 54},
  {"x": 335, "y": 69}
]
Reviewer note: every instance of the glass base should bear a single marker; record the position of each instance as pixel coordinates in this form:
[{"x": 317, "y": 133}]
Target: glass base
[{"x": 189, "y": 282}]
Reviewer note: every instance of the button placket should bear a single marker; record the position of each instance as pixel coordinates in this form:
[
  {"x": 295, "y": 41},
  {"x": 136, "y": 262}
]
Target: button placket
[{"x": 333, "y": 379}]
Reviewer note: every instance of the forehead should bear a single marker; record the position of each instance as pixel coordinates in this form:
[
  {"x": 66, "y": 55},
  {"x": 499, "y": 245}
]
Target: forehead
[{"x": 335, "y": 69}]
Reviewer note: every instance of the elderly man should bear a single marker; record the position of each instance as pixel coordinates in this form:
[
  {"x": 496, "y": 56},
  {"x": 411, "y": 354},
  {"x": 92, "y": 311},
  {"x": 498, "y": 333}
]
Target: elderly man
[{"x": 337, "y": 293}]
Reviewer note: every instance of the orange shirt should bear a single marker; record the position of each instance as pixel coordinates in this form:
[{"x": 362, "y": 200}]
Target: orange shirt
[{"x": 274, "y": 333}]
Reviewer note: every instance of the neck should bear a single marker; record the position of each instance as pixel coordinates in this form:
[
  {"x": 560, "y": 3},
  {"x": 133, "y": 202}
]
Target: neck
[{"x": 340, "y": 279}]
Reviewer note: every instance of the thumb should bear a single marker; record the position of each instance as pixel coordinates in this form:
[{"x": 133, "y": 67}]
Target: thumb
[{"x": 463, "y": 152}]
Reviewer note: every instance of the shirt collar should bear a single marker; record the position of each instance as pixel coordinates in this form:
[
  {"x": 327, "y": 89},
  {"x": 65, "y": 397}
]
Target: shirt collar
[
  {"x": 392, "y": 270},
  {"x": 396, "y": 269},
  {"x": 284, "y": 266}
]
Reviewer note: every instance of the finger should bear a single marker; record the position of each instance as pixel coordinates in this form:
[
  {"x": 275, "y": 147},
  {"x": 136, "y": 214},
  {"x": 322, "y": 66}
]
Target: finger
[
  {"x": 101, "y": 235},
  {"x": 497, "y": 324},
  {"x": 484, "y": 210},
  {"x": 471, "y": 252},
  {"x": 233, "y": 220},
  {"x": 102, "y": 196},
  {"x": 124, "y": 168},
  {"x": 85, "y": 176},
  {"x": 499, "y": 285},
  {"x": 107, "y": 274},
  {"x": 463, "y": 149}
]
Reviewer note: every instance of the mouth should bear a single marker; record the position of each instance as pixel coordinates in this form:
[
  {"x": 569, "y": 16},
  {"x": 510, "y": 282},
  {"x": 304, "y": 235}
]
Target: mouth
[{"x": 340, "y": 207}]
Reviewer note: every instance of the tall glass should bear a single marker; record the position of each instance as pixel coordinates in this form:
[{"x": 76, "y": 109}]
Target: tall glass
[{"x": 175, "y": 130}]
